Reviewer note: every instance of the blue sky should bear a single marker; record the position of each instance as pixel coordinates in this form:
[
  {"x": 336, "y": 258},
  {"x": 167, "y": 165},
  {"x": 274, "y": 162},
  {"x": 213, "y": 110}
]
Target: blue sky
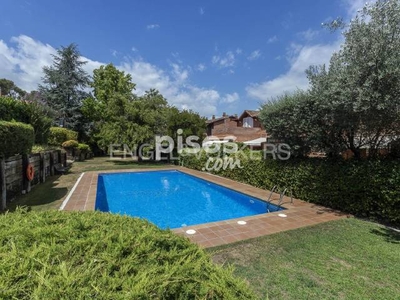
[{"x": 209, "y": 56}]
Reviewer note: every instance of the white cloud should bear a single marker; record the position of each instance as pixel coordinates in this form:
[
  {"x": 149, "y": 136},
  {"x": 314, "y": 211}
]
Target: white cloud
[
  {"x": 238, "y": 51},
  {"x": 23, "y": 62},
  {"x": 114, "y": 53},
  {"x": 153, "y": 26},
  {"x": 230, "y": 98},
  {"x": 272, "y": 39},
  {"x": 295, "y": 78},
  {"x": 308, "y": 35},
  {"x": 201, "y": 67},
  {"x": 225, "y": 61},
  {"x": 179, "y": 73},
  {"x": 201, "y": 11},
  {"x": 23, "y": 58},
  {"x": 134, "y": 49},
  {"x": 256, "y": 54}
]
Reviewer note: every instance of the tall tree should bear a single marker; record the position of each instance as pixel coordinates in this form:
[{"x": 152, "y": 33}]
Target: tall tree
[
  {"x": 356, "y": 101},
  {"x": 10, "y": 89},
  {"x": 361, "y": 89},
  {"x": 64, "y": 85}
]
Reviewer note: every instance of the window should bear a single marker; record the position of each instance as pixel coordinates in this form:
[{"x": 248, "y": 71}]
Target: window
[{"x": 248, "y": 122}]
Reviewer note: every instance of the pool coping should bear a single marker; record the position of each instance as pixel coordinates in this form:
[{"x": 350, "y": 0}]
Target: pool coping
[{"x": 296, "y": 215}]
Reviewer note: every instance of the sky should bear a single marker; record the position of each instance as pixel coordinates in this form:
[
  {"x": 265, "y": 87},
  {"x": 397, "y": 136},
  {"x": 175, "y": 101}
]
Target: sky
[{"x": 208, "y": 56}]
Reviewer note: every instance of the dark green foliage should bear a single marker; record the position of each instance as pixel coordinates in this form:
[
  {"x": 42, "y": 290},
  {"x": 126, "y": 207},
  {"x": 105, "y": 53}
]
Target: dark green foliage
[
  {"x": 15, "y": 138},
  {"x": 291, "y": 120},
  {"x": 189, "y": 121},
  {"x": 364, "y": 188},
  {"x": 59, "y": 135},
  {"x": 30, "y": 111},
  {"x": 93, "y": 255},
  {"x": 12, "y": 109},
  {"x": 355, "y": 103},
  {"x": 64, "y": 85}
]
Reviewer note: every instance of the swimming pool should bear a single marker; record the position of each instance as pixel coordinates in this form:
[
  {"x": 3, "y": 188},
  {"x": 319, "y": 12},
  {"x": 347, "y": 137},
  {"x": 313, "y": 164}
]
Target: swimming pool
[{"x": 173, "y": 199}]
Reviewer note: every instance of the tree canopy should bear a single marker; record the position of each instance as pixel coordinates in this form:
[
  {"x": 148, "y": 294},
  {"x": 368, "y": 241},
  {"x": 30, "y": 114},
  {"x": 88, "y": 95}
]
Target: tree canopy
[
  {"x": 355, "y": 103},
  {"x": 64, "y": 85}
]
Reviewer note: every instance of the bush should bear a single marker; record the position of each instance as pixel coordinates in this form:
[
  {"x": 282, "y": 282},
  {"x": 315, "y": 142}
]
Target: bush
[
  {"x": 15, "y": 138},
  {"x": 31, "y": 112},
  {"x": 59, "y": 135},
  {"x": 42, "y": 148},
  {"x": 84, "y": 148},
  {"x": 94, "y": 255},
  {"x": 368, "y": 188},
  {"x": 70, "y": 144}
]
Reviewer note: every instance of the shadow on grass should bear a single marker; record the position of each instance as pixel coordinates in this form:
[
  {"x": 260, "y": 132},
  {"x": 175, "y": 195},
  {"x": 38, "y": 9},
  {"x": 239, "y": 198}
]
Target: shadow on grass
[
  {"x": 42, "y": 195},
  {"x": 391, "y": 235}
]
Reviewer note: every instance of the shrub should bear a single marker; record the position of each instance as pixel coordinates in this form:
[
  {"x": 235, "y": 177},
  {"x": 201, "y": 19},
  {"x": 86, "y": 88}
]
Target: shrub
[
  {"x": 42, "y": 148},
  {"x": 70, "y": 144},
  {"x": 84, "y": 148},
  {"x": 15, "y": 138},
  {"x": 368, "y": 188},
  {"x": 94, "y": 255},
  {"x": 29, "y": 112},
  {"x": 59, "y": 135},
  {"x": 12, "y": 109}
]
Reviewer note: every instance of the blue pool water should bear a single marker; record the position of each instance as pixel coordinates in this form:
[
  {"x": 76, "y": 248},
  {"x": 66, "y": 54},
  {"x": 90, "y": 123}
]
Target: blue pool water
[{"x": 172, "y": 199}]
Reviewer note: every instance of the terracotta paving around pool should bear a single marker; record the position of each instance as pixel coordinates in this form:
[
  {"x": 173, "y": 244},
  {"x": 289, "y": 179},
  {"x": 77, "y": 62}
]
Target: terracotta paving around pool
[{"x": 297, "y": 214}]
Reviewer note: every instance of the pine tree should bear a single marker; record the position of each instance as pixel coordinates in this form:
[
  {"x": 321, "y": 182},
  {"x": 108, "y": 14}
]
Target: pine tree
[{"x": 64, "y": 85}]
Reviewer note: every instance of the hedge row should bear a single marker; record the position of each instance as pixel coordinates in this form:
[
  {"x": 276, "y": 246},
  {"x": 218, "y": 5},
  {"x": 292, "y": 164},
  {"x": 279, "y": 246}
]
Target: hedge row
[
  {"x": 15, "y": 138},
  {"x": 369, "y": 188},
  {"x": 59, "y": 135}
]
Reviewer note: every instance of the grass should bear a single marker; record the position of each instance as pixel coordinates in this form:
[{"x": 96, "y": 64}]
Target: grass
[
  {"x": 345, "y": 259},
  {"x": 94, "y": 255},
  {"x": 51, "y": 194}
]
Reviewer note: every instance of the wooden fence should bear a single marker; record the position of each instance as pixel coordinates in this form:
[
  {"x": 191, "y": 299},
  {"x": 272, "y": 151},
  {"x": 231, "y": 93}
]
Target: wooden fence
[{"x": 13, "y": 179}]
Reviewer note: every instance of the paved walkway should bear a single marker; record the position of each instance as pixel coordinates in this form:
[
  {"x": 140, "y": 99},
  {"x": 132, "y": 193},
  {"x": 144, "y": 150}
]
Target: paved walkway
[{"x": 297, "y": 214}]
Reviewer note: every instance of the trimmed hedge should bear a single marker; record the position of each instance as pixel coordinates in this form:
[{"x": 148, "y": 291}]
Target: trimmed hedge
[
  {"x": 15, "y": 138},
  {"x": 94, "y": 255},
  {"x": 84, "y": 148},
  {"x": 367, "y": 188},
  {"x": 70, "y": 144},
  {"x": 59, "y": 135}
]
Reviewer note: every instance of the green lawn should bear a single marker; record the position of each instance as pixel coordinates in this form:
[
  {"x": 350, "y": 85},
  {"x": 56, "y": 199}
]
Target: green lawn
[
  {"x": 51, "y": 194},
  {"x": 345, "y": 259}
]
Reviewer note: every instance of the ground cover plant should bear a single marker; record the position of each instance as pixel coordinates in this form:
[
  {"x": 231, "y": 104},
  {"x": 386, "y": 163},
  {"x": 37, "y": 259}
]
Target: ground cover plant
[{"x": 93, "y": 255}]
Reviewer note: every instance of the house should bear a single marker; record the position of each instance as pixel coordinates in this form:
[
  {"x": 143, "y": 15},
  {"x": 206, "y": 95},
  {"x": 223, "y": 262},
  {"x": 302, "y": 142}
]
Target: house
[{"x": 246, "y": 128}]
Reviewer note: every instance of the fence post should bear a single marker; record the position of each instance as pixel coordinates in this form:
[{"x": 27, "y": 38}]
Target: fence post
[
  {"x": 51, "y": 163},
  {"x": 3, "y": 185},
  {"x": 25, "y": 163},
  {"x": 42, "y": 168},
  {"x": 59, "y": 157}
]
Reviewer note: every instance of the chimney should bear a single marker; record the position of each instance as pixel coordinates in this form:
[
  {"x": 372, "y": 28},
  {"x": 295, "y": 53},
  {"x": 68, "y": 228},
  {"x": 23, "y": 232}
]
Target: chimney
[
  {"x": 224, "y": 114},
  {"x": 213, "y": 117}
]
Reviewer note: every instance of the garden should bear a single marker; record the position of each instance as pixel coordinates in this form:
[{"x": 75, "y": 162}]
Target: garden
[{"x": 352, "y": 107}]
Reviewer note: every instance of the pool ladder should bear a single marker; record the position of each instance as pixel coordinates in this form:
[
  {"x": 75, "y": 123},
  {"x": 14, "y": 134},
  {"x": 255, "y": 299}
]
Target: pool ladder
[{"x": 281, "y": 195}]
